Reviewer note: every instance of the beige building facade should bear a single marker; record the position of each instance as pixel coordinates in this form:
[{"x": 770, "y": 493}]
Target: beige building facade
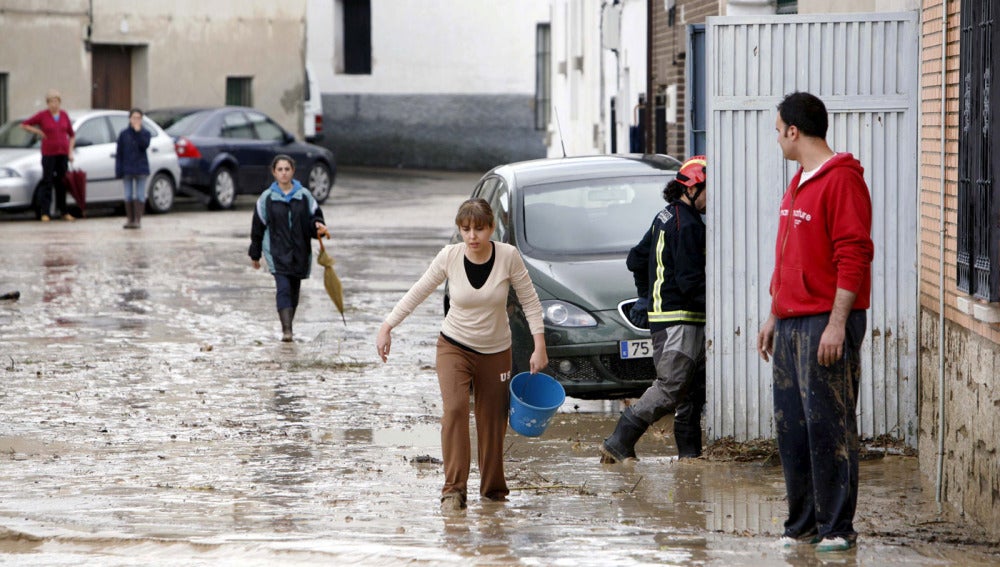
[
  {"x": 122, "y": 54},
  {"x": 960, "y": 333}
]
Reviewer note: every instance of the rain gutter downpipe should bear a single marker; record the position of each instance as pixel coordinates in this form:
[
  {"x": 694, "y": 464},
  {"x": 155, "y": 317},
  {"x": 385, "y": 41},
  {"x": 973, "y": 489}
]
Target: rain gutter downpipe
[{"x": 939, "y": 482}]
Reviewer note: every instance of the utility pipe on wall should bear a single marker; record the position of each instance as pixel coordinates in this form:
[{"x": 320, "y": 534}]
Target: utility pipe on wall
[
  {"x": 648, "y": 111},
  {"x": 939, "y": 481}
]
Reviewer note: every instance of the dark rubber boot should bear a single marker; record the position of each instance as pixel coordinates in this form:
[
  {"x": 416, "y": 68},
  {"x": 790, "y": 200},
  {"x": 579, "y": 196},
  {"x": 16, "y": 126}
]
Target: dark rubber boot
[
  {"x": 286, "y": 315},
  {"x": 687, "y": 434},
  {"x": 621, "y": 445},
  {"x": 129, "y": 207},
  {"x": 138, "y": 208}
]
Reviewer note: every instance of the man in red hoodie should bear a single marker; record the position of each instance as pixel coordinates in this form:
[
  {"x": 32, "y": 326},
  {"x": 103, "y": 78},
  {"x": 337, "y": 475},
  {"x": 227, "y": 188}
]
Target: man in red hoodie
[{"x": 820, "y": 289}]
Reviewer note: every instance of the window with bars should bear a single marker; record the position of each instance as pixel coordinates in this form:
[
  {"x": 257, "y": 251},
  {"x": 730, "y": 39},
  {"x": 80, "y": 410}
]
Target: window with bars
[
  {"x": 543, "y": 75},
  {"x": 239, "y": 91},
  {"x": 978, "y": 206}
]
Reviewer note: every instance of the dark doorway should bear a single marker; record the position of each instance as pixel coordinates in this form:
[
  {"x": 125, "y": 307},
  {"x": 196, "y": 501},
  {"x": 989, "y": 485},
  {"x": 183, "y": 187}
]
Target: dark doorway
[{"x": 111, "y": 85}]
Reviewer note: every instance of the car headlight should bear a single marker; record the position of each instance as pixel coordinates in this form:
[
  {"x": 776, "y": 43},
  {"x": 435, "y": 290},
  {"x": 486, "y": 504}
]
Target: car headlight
[
  {"x": 6, "y": 172},
  {"x": 562, "y": 314}
]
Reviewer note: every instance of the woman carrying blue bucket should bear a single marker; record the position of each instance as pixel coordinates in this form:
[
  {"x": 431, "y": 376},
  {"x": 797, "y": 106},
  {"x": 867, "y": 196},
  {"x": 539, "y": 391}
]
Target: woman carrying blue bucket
[{"x": 474, "y": 347}]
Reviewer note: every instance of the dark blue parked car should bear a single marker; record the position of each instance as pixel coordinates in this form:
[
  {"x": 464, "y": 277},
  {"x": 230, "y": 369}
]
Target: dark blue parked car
[{"x": 227, "y": 151}]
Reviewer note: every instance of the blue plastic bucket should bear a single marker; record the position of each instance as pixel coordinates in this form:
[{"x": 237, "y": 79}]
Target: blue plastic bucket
[{"x": 534, "y": 399}]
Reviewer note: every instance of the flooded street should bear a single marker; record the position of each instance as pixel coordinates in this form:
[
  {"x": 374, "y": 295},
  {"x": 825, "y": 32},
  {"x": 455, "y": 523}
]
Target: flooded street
[{"x": 150, "y": 415}]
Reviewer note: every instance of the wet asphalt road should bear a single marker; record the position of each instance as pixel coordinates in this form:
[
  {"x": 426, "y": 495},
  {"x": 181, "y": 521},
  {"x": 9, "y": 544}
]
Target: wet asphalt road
[{"x": 149, "y": 415}]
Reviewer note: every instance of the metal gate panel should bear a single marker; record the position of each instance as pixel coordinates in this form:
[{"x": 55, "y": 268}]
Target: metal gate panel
[{"x": 865, "y": 68}]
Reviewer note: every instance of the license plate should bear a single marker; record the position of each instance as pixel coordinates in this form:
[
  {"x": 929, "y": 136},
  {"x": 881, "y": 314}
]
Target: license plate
[{"x": 640, "y": 348}]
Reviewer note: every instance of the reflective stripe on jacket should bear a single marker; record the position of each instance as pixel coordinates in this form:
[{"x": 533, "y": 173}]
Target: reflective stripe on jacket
[{"x": 668, "y": 266}]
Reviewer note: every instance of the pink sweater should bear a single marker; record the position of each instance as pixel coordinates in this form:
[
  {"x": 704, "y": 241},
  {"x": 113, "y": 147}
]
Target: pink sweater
[{"x": 477, "y": 317}]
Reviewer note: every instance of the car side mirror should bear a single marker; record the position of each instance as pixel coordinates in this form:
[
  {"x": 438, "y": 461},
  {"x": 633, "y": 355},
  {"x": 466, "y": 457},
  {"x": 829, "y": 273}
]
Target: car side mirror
[{"x": 289, "y": 138}]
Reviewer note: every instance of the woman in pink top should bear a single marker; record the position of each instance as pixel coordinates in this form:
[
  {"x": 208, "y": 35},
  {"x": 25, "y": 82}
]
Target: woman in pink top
[
  {"x": 474, "y": 347},
  {"x": 55, "y": 129}
]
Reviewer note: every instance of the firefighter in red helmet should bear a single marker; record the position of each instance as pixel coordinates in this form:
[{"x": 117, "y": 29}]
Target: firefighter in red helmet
[{"x": 668, "y": 266}]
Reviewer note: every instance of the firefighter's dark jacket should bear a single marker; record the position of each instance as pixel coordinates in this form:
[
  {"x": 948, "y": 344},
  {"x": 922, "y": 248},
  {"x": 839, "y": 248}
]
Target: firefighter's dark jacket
[{"x": 668, "y": 266}]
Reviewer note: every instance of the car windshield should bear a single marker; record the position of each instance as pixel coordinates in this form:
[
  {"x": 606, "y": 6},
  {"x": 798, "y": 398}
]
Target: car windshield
[
  {"x": 591, "y": 215},
  {"x": 13, "y": 136}
]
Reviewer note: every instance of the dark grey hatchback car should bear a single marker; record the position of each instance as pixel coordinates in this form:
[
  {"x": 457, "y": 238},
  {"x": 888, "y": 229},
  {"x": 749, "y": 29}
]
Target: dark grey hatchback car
[
  {"x": 574, "y": 221},
  {"x": 227, "y": 151}
]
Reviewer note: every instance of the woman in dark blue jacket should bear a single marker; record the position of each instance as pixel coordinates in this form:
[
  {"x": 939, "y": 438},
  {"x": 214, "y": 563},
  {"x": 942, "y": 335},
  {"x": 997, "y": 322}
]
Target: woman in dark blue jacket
[
  {"x": 286, "y": 219},
  {"x": 132, "y": 166}
]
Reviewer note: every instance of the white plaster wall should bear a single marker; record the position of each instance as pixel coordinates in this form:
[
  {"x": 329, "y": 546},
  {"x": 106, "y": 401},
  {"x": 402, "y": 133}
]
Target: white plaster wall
[
  {"x": 634, "y": 51},
  {"x": 749, "y": 7},
  {"x": 846, "y": 6},
  {"x": 194, "y": 45},
  {"x": 434, "y": 47},
  {"x": 585, "y": 76},
  {"x": 39, "y": 53},
  {"x": 183, "y": 51}
]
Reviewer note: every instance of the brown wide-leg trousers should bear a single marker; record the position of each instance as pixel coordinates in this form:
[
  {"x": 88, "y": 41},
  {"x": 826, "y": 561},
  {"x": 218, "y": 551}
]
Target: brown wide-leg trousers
[{"x": 488, "y": 378}]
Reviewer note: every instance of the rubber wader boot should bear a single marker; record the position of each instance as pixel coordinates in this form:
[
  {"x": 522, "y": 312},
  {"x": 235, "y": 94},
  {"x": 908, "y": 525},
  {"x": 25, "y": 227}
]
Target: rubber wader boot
[
  {"x": 687, "y": 434},
  {"x": 137, "y": 209},
  {"x": 129, "y": 214},
  {"x": 286, "y": 316},
  {"x": 621, "y": 445}
]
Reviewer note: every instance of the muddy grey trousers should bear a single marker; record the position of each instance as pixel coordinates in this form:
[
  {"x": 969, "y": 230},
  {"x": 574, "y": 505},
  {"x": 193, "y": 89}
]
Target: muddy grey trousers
[
  {"x": 678, "y": 353},
  {"x": 816, "y": 425},
  {"x": 487, "y": 376}
]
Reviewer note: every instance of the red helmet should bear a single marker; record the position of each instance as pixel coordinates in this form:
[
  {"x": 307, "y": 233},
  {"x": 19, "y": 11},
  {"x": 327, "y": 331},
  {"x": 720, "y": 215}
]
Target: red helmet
[{"x": 692, "y": 172}]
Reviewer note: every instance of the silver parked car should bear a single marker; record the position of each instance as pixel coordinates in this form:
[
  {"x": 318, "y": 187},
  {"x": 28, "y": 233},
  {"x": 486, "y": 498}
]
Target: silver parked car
[{"x": 96, "y": 137}]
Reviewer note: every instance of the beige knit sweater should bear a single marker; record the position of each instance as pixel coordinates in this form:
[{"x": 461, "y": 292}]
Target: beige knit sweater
[{"x": 477, "y": 317}]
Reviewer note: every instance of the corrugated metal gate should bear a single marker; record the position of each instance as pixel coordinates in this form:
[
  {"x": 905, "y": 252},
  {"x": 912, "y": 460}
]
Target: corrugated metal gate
[{"x": 865, "y": 68}]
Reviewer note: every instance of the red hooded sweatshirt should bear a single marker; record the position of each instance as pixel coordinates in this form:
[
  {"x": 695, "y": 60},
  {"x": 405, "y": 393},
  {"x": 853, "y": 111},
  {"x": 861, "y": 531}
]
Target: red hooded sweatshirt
[{"x": 824, "y": 240}]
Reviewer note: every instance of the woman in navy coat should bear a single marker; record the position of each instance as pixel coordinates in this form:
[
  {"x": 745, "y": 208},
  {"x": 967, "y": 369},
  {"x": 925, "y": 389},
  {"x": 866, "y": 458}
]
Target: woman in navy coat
[{"x": 132, "y": 166}]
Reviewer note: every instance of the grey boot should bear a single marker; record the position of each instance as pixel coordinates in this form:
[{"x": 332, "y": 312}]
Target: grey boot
[
  {"x": 621, "y": 445},
  {"x": 129, "y": 207},
  {"x": 286, "y": 315},
  {"x": 138, "y": 207}
]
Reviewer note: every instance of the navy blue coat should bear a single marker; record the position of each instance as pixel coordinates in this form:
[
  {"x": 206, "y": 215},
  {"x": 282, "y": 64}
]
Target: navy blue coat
[
  {"x": 130, "y": 157},
  {"x": 283, "y": 228}
]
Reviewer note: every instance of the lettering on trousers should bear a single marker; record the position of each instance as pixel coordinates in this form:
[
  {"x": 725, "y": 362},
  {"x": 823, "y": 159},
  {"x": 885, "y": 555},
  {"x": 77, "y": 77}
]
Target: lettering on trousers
[{"x": 504, "y": 376}]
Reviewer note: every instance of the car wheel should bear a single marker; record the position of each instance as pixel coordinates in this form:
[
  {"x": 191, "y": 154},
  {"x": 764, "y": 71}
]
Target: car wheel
[
  {"x": 320, "y": 181},
  {"x": 160, "y": 194},
  {"x": 223, "y": 189}
]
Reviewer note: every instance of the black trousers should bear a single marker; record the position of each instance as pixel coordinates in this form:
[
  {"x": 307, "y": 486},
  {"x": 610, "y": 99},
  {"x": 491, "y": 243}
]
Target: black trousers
[
  {"x": 817, "y": 429},
  {"x": 53, "y": 176},
  {"x": 286, "y": 291}
]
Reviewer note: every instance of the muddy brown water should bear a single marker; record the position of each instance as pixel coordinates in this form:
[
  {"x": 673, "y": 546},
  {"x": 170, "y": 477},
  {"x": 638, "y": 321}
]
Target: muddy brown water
[{"x": 149, "y": 415}]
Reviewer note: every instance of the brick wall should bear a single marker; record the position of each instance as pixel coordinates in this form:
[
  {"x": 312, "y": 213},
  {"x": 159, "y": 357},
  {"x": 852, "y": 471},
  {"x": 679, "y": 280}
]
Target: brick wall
[
  {"x": 669, "y": 60},
  {"x": 971, "y": 479}
]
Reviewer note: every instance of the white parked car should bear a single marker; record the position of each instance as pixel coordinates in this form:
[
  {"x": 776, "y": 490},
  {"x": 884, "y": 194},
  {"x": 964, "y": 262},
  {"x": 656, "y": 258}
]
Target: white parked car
[
  {"x": 312, "y": 109},
  {"x": 96, "y": 136}
]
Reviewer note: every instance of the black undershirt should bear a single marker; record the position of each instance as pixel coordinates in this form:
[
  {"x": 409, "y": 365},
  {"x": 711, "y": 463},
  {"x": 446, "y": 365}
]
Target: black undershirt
[{"x": 477, "y": 274}]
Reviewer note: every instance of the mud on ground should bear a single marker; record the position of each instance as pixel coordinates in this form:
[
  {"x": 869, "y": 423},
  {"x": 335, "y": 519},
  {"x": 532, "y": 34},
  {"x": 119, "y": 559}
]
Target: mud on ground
[{"x": 149, "y": 414}]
